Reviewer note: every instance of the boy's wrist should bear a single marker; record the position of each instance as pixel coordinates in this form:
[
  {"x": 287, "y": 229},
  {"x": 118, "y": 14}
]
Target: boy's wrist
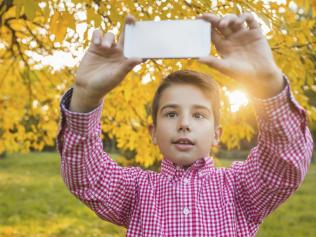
[
  {"x": 270, "y": 85},
  {"x": 83, "y": 101},
  {"x": 82, "y": 123}
]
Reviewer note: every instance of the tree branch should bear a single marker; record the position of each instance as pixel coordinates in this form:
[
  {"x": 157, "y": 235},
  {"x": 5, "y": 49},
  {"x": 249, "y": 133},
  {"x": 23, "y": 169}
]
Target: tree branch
[{"x": 295, "y": 45}]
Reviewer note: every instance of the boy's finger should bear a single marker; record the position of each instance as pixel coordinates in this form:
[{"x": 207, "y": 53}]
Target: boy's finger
[
  {"x": 129, "y": 19},
  {"x": 134, "y": 61},
  {"x": 216, "y": 37},
  {"x": 238, "y": 25},
  {"x": 227, "y": 20},
  {"x": 225, "y": 23},
  {"x": 214, "y": 20},
  {"x": 108, "y": 40},
  {"x": 218, "y": 64},
  {"x": 210, "y": 18},
  {"x": 130, "y": 63},
  {"x": 250, "y": 19},
  {"x": 96, "y": 37}
]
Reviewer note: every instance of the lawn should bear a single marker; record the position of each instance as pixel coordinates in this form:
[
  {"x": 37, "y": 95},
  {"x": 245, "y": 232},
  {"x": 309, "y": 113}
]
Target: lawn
[{"x": 34, "y": 202}]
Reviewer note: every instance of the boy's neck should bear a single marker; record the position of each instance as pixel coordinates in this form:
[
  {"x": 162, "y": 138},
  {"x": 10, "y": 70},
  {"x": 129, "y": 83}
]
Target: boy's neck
[{"x": 185, "y": 167}]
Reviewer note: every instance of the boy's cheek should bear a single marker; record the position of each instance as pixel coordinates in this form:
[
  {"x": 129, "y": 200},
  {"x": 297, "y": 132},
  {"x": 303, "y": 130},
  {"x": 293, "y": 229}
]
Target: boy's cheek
[{"x": 165, "y": 126}]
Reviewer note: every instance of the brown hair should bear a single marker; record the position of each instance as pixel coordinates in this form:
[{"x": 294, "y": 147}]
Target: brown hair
[{"x": 204, "y": 82}]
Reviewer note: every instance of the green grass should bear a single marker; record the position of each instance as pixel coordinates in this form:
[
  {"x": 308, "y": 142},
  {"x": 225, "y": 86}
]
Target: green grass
[{"x": 34, "y": 202}]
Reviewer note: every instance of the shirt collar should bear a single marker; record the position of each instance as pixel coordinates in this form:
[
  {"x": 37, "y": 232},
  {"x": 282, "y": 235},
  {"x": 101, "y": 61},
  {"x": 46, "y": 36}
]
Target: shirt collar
[{"x": 202, "y": 166}]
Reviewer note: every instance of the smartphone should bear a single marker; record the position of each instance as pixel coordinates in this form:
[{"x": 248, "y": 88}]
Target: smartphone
[{"x": 167, "y": 39}]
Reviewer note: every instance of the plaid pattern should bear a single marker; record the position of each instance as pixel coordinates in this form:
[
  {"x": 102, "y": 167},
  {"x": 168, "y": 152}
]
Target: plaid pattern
[{"x": 200, "y": 201}]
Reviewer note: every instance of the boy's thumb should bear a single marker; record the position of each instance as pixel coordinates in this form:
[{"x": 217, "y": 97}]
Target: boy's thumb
[
  {"x": 132, "y": 62},
  {"x": 218, "y": 64}
]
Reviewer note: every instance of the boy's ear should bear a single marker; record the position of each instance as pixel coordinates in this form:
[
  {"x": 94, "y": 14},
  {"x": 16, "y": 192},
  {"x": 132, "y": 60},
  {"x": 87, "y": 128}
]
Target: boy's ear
[
  {"x": 152, "y": 132},
  {"x": 217, "y": 135}
]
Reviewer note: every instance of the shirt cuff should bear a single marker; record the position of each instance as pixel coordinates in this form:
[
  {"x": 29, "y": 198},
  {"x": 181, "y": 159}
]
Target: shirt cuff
[
  {"x": 82, "y": 123},
  {"x": 278, "y": 106}
]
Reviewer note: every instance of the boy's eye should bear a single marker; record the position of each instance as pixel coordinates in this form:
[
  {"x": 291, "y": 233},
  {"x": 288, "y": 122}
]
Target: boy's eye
[
  {"x": 173, "y": 114},
  {"x": 198, "y": 115},
  {"x": 170, "y": 114}
]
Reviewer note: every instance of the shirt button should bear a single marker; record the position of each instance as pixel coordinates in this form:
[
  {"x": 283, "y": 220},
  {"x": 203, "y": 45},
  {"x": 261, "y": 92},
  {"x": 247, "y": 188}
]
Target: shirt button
[
  {"x": 178, "y": 168},
  {"x": 186, "y": 211},
  {"x": 185, "y": 180}
]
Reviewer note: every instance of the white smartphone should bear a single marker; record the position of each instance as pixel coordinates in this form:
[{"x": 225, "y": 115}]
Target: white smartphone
[{"x": 167, "y": 39}]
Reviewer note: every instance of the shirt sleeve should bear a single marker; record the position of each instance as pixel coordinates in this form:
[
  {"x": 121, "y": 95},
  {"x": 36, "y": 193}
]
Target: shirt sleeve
[
  {"x": 89, "y": 172},
  {"x": 276, "y": 167}
]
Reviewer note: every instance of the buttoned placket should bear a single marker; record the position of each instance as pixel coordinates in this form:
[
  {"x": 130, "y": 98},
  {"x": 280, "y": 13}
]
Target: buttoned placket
[
  {"x": 181, "y": 183},
  {"x": 186, "y": 211},
  {"x": 182, "y": 188},
  {"x": 186, "y": 208}
]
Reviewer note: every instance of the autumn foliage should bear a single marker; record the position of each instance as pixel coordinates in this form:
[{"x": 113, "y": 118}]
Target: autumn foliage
[{"x": 30, "y": 91}]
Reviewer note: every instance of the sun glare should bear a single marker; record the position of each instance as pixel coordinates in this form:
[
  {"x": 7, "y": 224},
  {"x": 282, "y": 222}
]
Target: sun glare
[{"x": 237, "y": 99}]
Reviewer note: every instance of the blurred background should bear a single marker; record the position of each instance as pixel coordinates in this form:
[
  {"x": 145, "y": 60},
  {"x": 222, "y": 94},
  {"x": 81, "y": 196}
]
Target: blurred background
[{"x": 41, "y": 44}]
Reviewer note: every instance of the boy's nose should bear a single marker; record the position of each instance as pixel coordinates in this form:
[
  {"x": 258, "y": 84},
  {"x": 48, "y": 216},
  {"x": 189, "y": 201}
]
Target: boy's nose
[{"x": 184, "y": 124}]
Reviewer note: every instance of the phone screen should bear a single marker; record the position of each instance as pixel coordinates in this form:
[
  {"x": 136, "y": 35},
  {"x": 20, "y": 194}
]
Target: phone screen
[{"x": 167, "y": 39}]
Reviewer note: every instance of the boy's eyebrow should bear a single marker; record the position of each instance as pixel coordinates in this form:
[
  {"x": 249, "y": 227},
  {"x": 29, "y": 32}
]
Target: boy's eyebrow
[{"x": 176, "y": 106}]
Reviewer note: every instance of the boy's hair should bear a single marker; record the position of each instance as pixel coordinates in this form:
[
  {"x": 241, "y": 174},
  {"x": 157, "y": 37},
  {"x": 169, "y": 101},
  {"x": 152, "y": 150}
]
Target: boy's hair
[{"x": 204, "y": 82}]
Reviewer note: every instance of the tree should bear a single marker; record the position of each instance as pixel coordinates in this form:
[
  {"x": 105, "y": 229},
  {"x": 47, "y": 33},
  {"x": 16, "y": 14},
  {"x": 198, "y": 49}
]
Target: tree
[{"x": 30, "y": 93}]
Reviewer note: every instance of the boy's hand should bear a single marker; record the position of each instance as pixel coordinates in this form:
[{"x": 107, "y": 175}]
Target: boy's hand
[
  {"x": 245, "y": 52},
  {"x": 102, "y": 68}
]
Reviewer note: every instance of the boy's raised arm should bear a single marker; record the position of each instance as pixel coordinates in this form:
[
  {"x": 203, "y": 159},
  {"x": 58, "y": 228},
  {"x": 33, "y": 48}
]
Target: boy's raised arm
[
  {"x": 277, "y": 165},
  {"x": 88, "y": 172},
  {"x": 102, "y": 68}
]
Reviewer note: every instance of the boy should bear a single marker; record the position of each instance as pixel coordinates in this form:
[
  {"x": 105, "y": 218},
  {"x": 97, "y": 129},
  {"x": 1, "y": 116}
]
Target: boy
[{"x": 189, "y": 197}]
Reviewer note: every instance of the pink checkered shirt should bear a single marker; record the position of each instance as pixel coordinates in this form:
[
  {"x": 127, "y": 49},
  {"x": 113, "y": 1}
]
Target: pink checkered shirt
[{"x": 200, "y": 201}]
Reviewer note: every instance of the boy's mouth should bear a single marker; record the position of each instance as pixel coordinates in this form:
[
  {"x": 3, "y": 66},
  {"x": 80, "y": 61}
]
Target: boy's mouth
[{"x": 183, "y": 144}]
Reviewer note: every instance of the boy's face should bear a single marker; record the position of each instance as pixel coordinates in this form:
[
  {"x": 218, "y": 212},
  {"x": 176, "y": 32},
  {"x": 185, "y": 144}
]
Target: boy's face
[{"x": 184, "y": 112}]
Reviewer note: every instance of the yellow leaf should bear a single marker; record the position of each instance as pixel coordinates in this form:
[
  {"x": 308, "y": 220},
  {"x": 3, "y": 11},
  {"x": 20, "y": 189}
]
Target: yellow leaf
[
  {"x": 59, "y": 24},
  {"x": 18, "y": 9},
  {"x": 92, "y": 16},
  {"x": 30, "y": 9},
  {"x": 46, "y": 12},
  {"x": 69, "y": 20},
  {"x": 54, "y": 22}
]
